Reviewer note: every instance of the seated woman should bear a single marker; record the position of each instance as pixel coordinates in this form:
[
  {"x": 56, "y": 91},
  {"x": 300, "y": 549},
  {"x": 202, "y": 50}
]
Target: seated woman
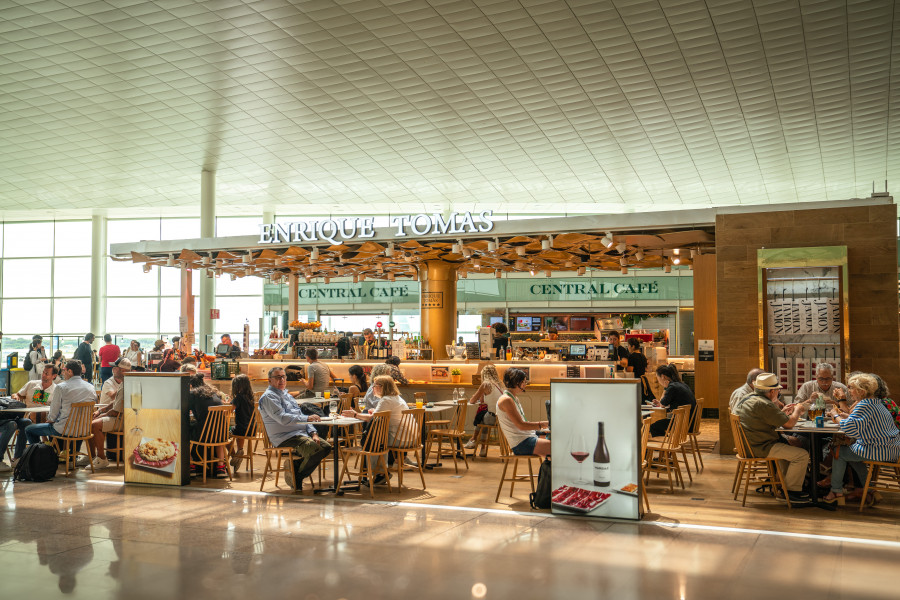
[
  {"x": 201, "y": 398},
  {"x": 675, "y": 394},
  {"x": 874, "y": 429},
  {"x": 486, "y": 397},
  {"x": 521, "y": 434},
  {"x": 359, "y": 384},
  {"x": 385, "y": 390},
  {"x": 244, "y": 404}
]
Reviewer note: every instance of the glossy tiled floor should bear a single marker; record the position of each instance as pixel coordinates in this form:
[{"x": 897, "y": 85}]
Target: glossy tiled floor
[{"x": 93, "y": 539}]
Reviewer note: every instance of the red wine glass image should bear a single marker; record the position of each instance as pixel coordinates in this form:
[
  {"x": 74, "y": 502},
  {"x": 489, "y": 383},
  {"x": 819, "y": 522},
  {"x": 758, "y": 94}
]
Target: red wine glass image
[{"x": 579, "y": 451}]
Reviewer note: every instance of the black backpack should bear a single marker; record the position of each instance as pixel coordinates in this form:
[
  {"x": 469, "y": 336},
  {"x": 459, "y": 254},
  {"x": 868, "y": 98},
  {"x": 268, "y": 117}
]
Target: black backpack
[
  {"x": 28, "y": 365},
  {"x": 540, "y": 498},
  {"x": 309, "y": 408},
  {"x": 38, "y": 463}
]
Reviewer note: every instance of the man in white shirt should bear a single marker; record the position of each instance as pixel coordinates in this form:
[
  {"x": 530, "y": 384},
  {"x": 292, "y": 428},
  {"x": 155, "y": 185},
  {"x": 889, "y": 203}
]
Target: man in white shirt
[
  {"x": 104, "y": 419},
  {"x": 833, "y": 391},
  {"x": 35, "y": 393},
  {"x": 73, "y": 389}
]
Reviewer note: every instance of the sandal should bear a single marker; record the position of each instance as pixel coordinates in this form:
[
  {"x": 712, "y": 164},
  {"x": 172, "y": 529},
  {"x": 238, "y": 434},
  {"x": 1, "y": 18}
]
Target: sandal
[{"x": 833, "y": 498}]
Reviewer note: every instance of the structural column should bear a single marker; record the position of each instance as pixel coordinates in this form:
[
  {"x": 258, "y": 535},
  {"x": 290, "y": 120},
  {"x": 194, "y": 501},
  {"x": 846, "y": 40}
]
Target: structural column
[
  {"x": 186, "y": 320},
  {"x": 437, "y": 305},
  {"x": 293, "y": 297},
  {"x": 98, "y": 276},
  {"x": 207, "y": 283}
]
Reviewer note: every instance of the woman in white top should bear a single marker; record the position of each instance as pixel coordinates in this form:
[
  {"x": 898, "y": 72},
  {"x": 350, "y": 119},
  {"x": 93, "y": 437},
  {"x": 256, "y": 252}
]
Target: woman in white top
[
  {"x": 385, "y": 390},
  {"x": 38, "y": 357},
  {"x": 486, "y": 397},
  {"x": 135, "y": 354},
  {"x": 521, "y": 434}
]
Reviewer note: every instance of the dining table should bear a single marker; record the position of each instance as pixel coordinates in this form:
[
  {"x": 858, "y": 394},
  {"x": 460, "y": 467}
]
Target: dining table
[
  {"x": 816, "y": 435},
  {"x": 26, "y": 410},
  {"x": 436, "y": 407},
  {"x": 336, "y": 423}
]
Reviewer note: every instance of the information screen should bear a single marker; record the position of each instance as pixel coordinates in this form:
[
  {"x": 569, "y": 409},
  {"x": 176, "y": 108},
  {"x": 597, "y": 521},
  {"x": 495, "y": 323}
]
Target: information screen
[
  {"x": 577, "y": 350},
  {"x": 523, "y": 323}
]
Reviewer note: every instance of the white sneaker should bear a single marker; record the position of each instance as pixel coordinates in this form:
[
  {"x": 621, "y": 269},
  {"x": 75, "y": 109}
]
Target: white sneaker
[
  {"x": 100, "y": 463},
  {"x": 410, "y": 462},
  {"x": 4, "y": 468},
  {"x": 470, "y": 445},
  {"x": 82, "y": 461}
]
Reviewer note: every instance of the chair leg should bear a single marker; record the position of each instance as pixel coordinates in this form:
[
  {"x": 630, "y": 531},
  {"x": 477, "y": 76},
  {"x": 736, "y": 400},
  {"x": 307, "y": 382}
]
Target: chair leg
[
  {"x": 265, "y": 472},
  {"x": 862, "y": 501},
  {"x": 746, "y": 487},
  {"x": 453, "y": 454},
  {"x": 696, "y": 444},
  {"x": 512, "y": 482},
  {"x": 738, "y": 473},
  {"x": 687, "y": 465},
  {"x": 399, "y": 462},
  {"x": 502, "y": 480},
  {"x": 465, "y": 460},
  {"x": 417, "y": 453},
  {"x": 530, "y": 475}
]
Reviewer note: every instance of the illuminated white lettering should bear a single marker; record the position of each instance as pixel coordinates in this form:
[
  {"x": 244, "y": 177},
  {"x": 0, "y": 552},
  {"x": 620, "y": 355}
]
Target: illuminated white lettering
[
  {"x": 414, "y": 223},
  {"x": 367, "y": 227},
  {"x": 265, "y": 234},
  {"x": 487, "y": 223},
  {"x": 444, "y": 227}
]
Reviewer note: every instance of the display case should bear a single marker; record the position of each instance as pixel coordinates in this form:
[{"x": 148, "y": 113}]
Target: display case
[{"x": 803, "y": 304}]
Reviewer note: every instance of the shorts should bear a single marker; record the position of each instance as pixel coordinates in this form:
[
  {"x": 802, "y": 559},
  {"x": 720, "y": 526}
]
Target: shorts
[
  {"x": 109, "y": 423},
  {"x": 526, "y": 446}
]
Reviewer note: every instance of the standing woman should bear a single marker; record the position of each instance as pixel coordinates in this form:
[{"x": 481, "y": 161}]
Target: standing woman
[
  {"x": 675, "y": 394},
  {"x": 135, "y": 354},
  {"x": 875, "y": 431},
  {"x": 38, "y": 357},
  {"x": 60, "y": 361},
  {"x": 109, "y": 354},
  {"x": 524, "y": 437},
  {"x": 486, "y": 397}
]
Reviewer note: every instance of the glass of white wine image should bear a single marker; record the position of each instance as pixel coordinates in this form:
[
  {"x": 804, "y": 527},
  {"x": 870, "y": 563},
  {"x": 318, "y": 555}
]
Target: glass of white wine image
[
  {"x": 137, "y": 400},
  {"x": 579, "y": 451}
]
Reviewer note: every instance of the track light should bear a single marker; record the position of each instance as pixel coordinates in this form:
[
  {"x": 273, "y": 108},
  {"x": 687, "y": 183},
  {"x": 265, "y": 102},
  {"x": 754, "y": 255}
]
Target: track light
[
  {"x": 676, "y": 251},
  {"x": 204, "y": 260},
  {"x": 607, "y": 240},
  {"x": 356, "y": 279},
  {"x": 532, "y": 272},
  {"x": 639, "y": 255},
  {"x": 667, "y": 268},
  {"x": 569, "y": 264},
  {"x": 389, "y": 251},
  {"x": 209, "y": 273},
  {"x": 492, "y": 247},
  {"x": 467, "y": 252},
  {"x": 454, "y": 249},
  {"x": 307, "y": 278},
  {"x": 462, "y": 274},
  {"x": 220, "y": 263},
  {"x": 623, "y": 261},
  {"x": 328, "y": 280},
  {"x": 476, "y": 264},
  {"x": 624, "y": 270},
  {"x": 693, "y": 254},
  {"x": 170, "y": 262},
  {"x": 218, "y": 273},
  {"x": 248, "y": 257},
  {"x": 248, "y": 271},
  {"x": 233, "y": 277},
  {"x": 546, "y": 244},
  {"x": 147, "y": 268},
  {"x": 314, "y": 255},
  {"x": 391, "y": 277},
  {"x": 520, "y": 250},
  {"x": 277, "y": 261},
  {"x": 621, "y": 247},
  {"x": 362, "y": 276}
]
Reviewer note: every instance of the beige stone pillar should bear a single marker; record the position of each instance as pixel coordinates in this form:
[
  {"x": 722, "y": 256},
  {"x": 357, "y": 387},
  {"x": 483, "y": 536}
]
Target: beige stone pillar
[
  {"x": 187, "y": 308},
  {"x": 293, "y": 297},
  {"x": 437, "y": 305}
]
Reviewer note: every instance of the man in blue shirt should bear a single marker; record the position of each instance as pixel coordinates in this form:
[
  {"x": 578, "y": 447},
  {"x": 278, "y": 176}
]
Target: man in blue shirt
[{"x": 288, "y": 427}]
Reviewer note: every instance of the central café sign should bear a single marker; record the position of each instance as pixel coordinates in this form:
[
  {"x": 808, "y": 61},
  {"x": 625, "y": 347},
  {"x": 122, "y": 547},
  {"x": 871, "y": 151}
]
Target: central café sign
[{"x": 337, "y": 231}]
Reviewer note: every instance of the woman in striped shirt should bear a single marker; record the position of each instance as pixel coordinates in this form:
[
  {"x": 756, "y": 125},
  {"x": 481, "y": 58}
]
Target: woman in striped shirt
[{"x": 873, "y": 427}]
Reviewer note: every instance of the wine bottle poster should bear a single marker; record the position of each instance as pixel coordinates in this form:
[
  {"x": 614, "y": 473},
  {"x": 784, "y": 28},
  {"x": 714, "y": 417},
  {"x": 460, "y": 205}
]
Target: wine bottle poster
[
  {"x": 156, "y": 448},
  {"x": 595, "y": 447}
]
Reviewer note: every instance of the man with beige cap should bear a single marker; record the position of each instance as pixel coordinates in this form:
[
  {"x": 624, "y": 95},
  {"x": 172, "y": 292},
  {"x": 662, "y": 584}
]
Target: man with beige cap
[{"x": 760, "y": 420}]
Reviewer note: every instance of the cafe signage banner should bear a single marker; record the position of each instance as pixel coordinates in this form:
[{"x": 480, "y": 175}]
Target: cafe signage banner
[{"x": 339, "y": 231}]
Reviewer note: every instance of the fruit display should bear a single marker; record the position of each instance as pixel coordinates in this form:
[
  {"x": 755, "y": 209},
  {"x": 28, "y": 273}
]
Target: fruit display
[{"x": 311, "y": 325}]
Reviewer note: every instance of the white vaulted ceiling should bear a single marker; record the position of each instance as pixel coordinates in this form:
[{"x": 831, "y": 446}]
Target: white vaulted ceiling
[{"x": 319, "y": 107}]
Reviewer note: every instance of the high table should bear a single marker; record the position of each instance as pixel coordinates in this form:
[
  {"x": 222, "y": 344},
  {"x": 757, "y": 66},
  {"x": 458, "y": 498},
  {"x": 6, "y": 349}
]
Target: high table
[
  {"x": 336, "y": 424},
  {"x": 815, "y": 452}
]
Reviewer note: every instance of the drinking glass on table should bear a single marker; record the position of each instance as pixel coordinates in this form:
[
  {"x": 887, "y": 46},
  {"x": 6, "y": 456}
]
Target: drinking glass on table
[
  {"x": 332, "y": 407},
  {"x": 326, "y": 394}
]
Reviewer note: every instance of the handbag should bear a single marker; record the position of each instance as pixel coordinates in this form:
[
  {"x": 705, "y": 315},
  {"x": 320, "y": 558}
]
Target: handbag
[{"x": 489, "y": 418}]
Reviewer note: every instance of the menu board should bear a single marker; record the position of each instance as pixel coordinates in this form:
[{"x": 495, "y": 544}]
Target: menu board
[
  {"x": 595, "y": 447},
  {"x": 157, "y": 439}
]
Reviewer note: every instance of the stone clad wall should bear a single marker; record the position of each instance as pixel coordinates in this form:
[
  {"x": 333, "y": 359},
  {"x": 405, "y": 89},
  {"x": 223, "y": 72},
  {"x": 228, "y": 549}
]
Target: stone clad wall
[{"x": 870, "y": 234}]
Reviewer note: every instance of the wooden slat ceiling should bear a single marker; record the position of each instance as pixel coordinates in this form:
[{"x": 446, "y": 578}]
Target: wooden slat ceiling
[{"x": 565, "y": 252}]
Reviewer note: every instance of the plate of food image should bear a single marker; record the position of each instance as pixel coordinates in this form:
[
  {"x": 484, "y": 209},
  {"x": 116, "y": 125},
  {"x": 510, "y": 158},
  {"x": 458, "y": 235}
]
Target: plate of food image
[
  {"x": 578, "y": 500},
  {"x": 629, "y": 489},
  {"x": 156, "y": 454}
]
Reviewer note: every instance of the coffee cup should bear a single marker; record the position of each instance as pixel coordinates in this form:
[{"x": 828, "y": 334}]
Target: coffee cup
[{"x": 318, "y": 394}]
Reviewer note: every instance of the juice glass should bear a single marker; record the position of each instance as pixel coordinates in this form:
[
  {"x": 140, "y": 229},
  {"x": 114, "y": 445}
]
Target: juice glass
[{"x": 326, "y": 394}]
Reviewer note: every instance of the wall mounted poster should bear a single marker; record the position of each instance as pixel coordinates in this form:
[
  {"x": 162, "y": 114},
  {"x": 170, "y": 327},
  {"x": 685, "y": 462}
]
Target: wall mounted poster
[
  {"x": 440, "y": 373},
  {"x": 596, "y": 447},
  {"x": 157, "y": 439}
]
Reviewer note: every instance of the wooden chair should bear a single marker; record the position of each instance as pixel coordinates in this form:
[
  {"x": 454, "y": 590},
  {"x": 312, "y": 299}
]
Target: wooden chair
[
  {"x": 749, "y": 465},
  {"x": 409, "y": 439},
  {"x": 691, "y": 440},
  {"x": 374, "y": 449},
  {"x": 507, "y": 456},
  {"x": 662, "y": 456},
  {"x": 270, "y": 450},
  {"x": 645, "y": 437},
  {"x": 453, "y": 434},
  {"x": 485, "y": 436},
  {"x": 118, "y": 432},
  {"x": 78, "y": 429},
  {"x": 215, "y": 434},
  {"x": 251, "y": 438},
  {"x": 882, "y": 477}
]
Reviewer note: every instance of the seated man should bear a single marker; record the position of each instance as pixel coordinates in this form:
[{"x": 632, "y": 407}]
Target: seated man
[
  {"x": 760, "y": 419},
  {"x": 746, "y": 389},
  {"x": 288, "y": 427},
  {"x": 35, "y": 393},
  {"x": 833, "y": 391},
  {"x": 73, "y": 389},
  {"x": 104, "y": 419}
]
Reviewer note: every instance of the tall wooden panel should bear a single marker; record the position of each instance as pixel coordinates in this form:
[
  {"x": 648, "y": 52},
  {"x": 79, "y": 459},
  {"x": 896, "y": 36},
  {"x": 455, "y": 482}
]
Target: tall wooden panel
[{"x": 706, "y": 381}]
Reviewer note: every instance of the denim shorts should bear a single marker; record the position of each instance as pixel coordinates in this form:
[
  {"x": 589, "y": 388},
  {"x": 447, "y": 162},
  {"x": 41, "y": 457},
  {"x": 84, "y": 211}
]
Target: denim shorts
[{"x": 526, "y": 446}]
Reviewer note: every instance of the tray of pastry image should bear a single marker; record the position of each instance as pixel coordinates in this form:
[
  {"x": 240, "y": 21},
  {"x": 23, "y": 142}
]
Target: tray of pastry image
[{"x": 155, "y": 454}]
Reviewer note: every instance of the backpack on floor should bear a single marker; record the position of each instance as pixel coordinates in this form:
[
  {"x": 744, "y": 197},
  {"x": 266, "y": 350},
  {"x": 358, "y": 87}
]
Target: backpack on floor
[
  {"x": 38, "y": 463},
  {"x": 540, "y": 498}
]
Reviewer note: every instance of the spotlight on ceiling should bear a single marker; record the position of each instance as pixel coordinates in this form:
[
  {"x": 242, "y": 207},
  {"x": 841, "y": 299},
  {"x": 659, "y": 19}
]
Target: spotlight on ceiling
[
  {"x": 467, "y": 252},
  {"x": 547, "y": 244},
  {"x": 492, "y": 246},
  {"x": 248, "y": 257},
  {"x": 569, "y": 264},
  {"x": 170, "y": 262},
  {"x": 391, "y": 277},
  {"x": 463, "y": 274},
  {"x": 623, "y": 261},
  {"x": 693, "y": 254},
  {"x": 621, "y": 247},
  {"x": 308, "y": 279},
  {"x": 218, "y": 273},
  {"x": 362, "y": 276},
  {"x": 204, "y": 260},
  {"x": 277, "y": 261},
  {"x": 607, "y": 240},
  {"x": 476, "y": 264},
  {"x": 233, "y": 277},
  {"x": 676, "y": 260},
  {"x": 389, "y": 251},
  {"x": 147, "y": 268},
  {"x": 532, "y": 272},
  {"x": 356, "y": 279},
  {"x": 676, "y": 251},
  {"x": 328, "y": 280},
  {"x": 639, "y": 255}
]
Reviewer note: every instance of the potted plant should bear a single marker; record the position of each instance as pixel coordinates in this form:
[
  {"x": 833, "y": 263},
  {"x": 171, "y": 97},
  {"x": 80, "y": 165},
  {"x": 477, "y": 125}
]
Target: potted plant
[{"x": 455, "y": 375}]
